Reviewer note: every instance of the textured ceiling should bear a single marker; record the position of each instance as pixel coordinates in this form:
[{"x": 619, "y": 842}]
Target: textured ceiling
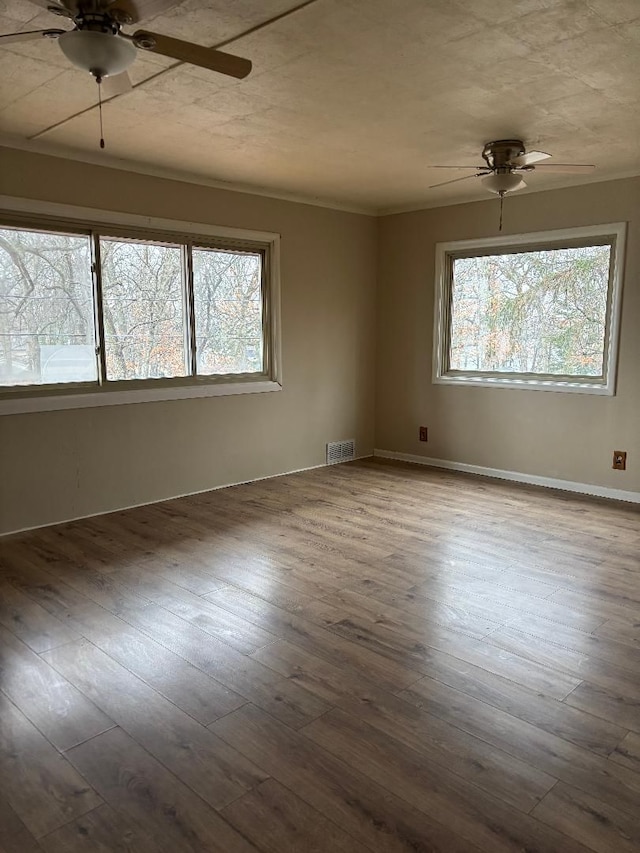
[{"x": 351, "y": 100}]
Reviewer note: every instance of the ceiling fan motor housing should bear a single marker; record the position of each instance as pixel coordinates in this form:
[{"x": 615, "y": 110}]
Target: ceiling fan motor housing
[{"x": 499, "y": 154}]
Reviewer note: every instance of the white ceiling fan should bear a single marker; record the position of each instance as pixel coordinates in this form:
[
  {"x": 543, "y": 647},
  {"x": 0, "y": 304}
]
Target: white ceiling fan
[
  {"x": 505, "y": 162},
  {"x": 98, "y": 45}
]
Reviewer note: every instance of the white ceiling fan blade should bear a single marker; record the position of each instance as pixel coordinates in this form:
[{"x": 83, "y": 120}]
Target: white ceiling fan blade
[
  {"x": 119, "y": 84},
  {"x": 455, "y": 180},
  {"x": 567, "y": 168},
  {"x": 529, "y": 158},
  {"x": 456, "y": 167},
  {"x": 30, "y": 35},
  {"x": 195, "y": 54}
]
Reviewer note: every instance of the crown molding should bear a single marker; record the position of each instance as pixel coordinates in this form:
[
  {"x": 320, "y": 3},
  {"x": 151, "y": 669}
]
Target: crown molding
[{"x": 108, "y": 161}]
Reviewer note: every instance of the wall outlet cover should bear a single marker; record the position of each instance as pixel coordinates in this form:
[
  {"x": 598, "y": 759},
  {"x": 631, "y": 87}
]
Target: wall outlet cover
[{"x": 620, "y": 460}]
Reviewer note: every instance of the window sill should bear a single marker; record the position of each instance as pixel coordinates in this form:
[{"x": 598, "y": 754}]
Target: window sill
[
  {"x": 526, "y": 384},
  {"x": 55, "y": 402}
]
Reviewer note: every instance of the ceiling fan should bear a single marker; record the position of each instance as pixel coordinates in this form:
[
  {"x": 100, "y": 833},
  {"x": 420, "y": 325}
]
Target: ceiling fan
[
  {"x": 98, "y": 45},
  {"x": 505, "y": 162}
]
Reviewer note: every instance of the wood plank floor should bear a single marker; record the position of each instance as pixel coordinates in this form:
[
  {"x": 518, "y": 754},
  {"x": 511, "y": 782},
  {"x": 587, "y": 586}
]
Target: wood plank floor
[{"x": 368, "y": 657}]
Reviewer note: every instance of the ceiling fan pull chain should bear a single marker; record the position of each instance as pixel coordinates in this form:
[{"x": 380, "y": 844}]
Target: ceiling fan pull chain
[
  {"x": 99, "y": 82},
  {"x": 501, "y": 203}
]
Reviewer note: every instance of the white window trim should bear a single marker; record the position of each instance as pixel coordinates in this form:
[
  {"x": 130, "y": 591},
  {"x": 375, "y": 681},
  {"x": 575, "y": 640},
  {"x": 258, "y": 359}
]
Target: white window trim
[
  {"x": 542, "y": 239},
  {"x": 43, "y": 401}
]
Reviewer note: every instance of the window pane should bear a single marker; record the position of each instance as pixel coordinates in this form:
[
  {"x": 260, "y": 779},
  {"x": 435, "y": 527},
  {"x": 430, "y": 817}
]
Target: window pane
[
  {"x": 531, "y": 312},
  {"x": 46, "y": 309},
  {"x": 143, "y": 310},
  {"x": 228, "y": 311}
]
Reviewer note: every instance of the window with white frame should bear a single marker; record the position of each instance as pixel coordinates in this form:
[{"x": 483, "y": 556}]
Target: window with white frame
[
  {"x": 538, "y": 311},
  {"x": 87, "y": 312}
]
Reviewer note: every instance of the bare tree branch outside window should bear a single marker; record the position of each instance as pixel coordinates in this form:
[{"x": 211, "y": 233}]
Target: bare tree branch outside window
[
  {"x": 143, "y": 310},
  {"x": 47, "y": 310},
  {"x": 228, "y": 311},
  {"x": 537, "y": 312}
]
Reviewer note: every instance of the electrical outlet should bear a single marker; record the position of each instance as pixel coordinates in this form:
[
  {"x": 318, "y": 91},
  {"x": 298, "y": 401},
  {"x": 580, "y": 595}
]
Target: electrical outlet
[
  {"x": 620, "y": 460},
  {"x": 424, "y": 434}
]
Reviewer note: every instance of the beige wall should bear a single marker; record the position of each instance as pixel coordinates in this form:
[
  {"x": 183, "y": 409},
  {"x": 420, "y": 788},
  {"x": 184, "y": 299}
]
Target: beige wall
[
  {"x": 60, "y": 465},
  {"x": 551, "y": 434}
]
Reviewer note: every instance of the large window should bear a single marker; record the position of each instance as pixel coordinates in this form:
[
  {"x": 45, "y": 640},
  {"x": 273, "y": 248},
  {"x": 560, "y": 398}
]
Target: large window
[
  {"x": 89, "y": 311},
  {"x": 532, "y": 311}
]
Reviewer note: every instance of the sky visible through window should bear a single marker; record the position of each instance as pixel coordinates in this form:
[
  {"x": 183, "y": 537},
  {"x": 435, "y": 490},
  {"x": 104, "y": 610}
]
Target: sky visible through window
[
  {"x": 535, "y": 312},
  {"x": 46, "y": 309}
]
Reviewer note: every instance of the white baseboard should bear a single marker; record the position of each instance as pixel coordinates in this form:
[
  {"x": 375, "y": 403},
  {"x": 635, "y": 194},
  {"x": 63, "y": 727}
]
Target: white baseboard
[
  {"x": 515, "y": 476},
  {"x": 173, "y": 497}
]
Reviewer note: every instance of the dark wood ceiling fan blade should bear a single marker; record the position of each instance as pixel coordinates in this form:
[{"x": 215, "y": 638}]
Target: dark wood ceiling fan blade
[
  {"x": 566, "y": 168},
  {"x": 195, "y": 54},
  {"x": 30, "y": 35},
  {"x": 529, "y": 158},
  {"x": 455, "y": 180}
]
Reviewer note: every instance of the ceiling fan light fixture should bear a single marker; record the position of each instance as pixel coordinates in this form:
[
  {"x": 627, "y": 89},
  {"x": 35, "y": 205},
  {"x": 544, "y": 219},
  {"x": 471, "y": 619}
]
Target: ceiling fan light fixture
[
  {"x": 102, "y": 54},
  {"x": 503, "y": 182}
]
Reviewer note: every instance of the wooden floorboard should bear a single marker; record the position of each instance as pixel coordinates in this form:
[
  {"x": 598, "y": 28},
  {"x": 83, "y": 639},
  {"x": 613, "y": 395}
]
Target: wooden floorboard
[{"x": 367, "y": 657}]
